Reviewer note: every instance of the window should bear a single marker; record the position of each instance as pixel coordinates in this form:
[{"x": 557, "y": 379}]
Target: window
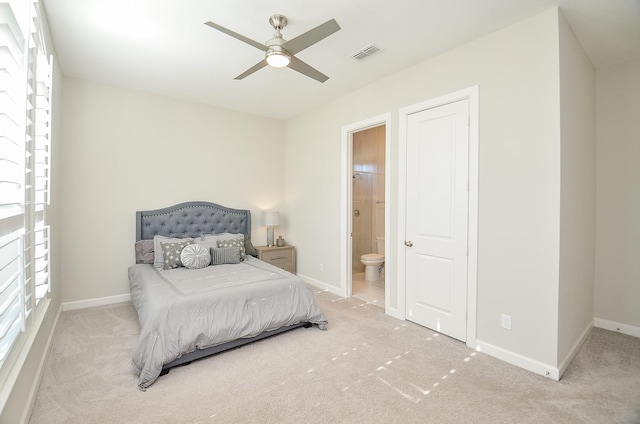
[{"x": 25, "y": 93}]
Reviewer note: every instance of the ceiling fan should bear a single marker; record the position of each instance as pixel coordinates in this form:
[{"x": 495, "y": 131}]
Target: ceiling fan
[{"x": 279, "y": 52}]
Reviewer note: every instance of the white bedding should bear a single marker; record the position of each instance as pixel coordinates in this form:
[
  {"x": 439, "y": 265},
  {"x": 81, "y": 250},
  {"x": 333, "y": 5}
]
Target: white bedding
[{"x": 181, "y": 310}]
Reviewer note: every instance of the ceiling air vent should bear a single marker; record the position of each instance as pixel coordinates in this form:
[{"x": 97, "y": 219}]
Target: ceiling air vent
[{"x": 366, "y": 52}]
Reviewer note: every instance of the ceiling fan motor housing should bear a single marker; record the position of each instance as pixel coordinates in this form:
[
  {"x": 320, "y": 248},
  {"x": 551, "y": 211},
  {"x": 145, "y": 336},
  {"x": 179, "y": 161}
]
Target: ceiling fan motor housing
[{"x": 276, "y": 55}]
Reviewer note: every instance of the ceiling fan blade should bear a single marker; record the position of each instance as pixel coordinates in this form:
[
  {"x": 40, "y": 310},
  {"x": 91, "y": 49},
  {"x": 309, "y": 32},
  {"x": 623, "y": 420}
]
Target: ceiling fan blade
[
  {"x": 240, "y": 37},
  {"x": 311, "y": 37},
  {"x": 251, "y": 70},
  {"x": 300, "y": 66}
]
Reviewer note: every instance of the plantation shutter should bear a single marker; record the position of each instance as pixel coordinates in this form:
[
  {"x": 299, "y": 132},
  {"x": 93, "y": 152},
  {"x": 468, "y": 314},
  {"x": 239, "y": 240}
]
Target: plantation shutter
[
  {"x": 13, "y": 80},
  {"x": 25, "y": 86},
  {"x": 36, "y": 267},
  {"x": 44, "y": 66}
]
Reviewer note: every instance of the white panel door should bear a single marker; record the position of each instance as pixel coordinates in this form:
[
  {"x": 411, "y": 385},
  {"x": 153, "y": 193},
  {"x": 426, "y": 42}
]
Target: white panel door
[{"x": 436, "y": 218}]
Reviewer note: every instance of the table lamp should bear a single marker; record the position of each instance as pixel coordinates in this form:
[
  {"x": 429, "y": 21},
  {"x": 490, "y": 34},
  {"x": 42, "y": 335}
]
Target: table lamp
[{"x": 270, "y": 219}]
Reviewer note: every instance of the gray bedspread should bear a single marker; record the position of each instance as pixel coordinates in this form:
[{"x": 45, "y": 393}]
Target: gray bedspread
[{"x": 184, "y": 309}]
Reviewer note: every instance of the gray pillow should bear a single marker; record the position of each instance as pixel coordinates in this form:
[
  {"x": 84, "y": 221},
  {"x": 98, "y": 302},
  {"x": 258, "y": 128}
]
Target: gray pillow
[
  {"x": 144, "y": 252},
  {"x": 171, "y": 253},
  {"x": 158, "y": 260},
  {"x": 195, "y": 256},
  {"x": 248, "y": 246},
  {"x": 220, "y": 236},
  {"x": 238, "y": 242},
  {"x": 211, "y": 240},
  {"x": 225, "y": 255}
]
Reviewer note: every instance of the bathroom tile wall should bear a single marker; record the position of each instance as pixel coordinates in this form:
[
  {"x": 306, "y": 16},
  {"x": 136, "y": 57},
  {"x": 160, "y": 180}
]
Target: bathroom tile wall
[{"x": 368, "y": 192}]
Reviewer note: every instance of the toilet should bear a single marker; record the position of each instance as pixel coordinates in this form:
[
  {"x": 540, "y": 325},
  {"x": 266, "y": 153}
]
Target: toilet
[{"x": 373, "y": 261}]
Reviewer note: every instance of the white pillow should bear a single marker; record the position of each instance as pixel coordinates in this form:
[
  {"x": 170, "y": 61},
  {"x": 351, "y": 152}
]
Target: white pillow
[{"x": 195, "y": 256}]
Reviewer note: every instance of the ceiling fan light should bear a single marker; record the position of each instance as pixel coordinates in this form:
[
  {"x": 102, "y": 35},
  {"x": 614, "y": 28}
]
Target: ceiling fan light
[{"x": 278, "y": 58}]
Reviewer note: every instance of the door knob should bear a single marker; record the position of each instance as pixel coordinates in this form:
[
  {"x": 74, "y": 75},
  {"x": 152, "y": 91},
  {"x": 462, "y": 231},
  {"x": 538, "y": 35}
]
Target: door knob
[
  {"x": 356, "y": 213},
  {"x": 408, "y": 243}
]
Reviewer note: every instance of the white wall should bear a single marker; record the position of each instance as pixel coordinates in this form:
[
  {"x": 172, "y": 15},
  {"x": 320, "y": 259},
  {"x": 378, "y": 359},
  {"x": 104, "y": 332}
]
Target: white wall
[
  {"x": 578, "y": 195},
  {"x": 125, "y": 151},
  {"x": 516, "y": 70},
  {"x": 617, "y": 274}
]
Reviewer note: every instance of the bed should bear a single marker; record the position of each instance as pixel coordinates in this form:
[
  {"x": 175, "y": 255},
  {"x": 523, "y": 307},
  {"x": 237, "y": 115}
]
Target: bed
[{"x": 188, "y": 313}]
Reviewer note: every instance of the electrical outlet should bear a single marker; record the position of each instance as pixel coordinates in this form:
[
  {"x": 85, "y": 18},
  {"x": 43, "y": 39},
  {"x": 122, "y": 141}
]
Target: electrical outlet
[
  {"x": 321, "y": 267},
  {"x": 506, "y": 322}
]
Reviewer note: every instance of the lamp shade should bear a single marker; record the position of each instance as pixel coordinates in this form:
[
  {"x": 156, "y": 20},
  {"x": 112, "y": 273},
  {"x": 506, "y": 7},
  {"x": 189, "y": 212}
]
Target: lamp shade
[{"x": 270, "y": 218}]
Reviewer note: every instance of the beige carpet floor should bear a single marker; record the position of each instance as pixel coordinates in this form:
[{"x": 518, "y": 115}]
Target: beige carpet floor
[{"x": 367, "y": 368}]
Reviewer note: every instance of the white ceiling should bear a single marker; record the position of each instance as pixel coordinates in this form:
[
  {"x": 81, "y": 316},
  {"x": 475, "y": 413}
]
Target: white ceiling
[{"x": 163, "y": 46}]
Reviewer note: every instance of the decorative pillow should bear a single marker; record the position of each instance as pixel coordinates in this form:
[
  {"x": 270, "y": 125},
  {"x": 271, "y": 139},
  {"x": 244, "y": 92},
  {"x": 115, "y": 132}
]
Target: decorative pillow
[
  {"x": 158, "y": 260},
  {"x": 209, "y": 244},
  {"x": 225, "y": 255},
  {"x": 171, "y": 253},
  {"x": 238, "y": 242},
  {"x": 211, "y": 240},
  {"x": 248, "y": 246},
  {"x": 195, "y": 256},
  {"x": 144, "y": 252}
]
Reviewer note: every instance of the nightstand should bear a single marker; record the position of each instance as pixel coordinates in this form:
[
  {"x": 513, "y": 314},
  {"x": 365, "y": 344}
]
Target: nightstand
[{"x": 283, "y": 257}]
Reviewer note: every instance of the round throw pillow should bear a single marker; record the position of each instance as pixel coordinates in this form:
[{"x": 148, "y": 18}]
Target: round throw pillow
[{"x": 195, "y": 256}]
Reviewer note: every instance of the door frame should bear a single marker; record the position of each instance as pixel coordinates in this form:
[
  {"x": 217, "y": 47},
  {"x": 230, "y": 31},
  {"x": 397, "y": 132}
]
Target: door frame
[
  {"x": 471, "y": 94},
  {"x": 346, "y": 200}
]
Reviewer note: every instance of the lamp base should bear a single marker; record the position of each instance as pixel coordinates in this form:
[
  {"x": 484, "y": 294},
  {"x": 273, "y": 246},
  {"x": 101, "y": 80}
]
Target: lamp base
[{"x": 270, "y": 241}]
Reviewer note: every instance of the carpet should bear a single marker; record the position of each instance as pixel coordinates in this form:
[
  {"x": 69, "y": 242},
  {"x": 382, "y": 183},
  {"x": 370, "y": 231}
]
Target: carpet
[{"x": 367, "y": 368}]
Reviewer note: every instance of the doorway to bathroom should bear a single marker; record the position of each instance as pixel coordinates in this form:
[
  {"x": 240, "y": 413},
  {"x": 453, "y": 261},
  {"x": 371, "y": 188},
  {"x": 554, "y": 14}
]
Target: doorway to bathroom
[
  {"x": 366, "y": 208},
  {"x": 368, "y": 223}
]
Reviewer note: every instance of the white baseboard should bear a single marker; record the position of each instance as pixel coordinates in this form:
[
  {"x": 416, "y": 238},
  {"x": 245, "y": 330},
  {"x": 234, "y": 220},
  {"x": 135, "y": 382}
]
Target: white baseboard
[
  {"x": 518, "y": 360},
  {"x": 627, "y": 329},
  {"x": 322, "y": 285},
  {"x": 81, "y": 304},
  {"x": 575, "y": 349},
  {"x": 546, "y": 370}
]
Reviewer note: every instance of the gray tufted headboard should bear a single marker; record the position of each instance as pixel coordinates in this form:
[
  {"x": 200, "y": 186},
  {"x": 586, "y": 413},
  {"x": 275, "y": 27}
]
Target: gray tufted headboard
[{"x": 191, "y": 219}]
